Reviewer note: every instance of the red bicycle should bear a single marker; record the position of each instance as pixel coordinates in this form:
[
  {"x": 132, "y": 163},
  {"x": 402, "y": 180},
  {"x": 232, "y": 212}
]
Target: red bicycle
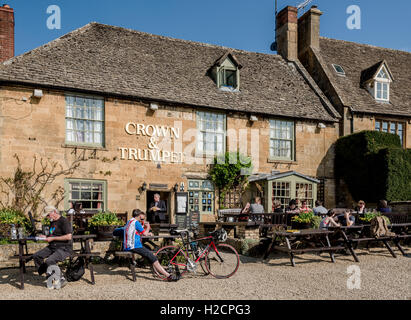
[{"x": 219, "y": 260}]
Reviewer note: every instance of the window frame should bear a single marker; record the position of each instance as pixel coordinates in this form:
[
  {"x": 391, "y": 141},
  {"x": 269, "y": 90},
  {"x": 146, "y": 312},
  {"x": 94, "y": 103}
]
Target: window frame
[
  {"x": 67, "y": 200},
  {"x": 382, "y": 82},
  {"x": 75, "y": 118},
  {"x": 335, "y": 66},
  {"x": 381, "y": 123},
  {"x": 209, "y": 154},
  {"x": 293, "y": 141},
  {"x": 200, "y": 189}
]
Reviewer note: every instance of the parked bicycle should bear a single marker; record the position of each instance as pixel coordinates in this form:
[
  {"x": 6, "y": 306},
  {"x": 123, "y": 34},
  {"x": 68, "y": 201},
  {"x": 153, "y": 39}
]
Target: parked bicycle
[{"x": 218, "y": 259}]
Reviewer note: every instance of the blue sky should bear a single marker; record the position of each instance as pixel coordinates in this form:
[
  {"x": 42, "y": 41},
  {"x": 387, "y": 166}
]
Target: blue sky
[{"x": 241, "y": 24}]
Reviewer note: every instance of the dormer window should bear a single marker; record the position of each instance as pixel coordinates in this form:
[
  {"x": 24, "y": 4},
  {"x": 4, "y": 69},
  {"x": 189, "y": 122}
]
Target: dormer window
[
  {"x": 339, "y": 70},
  {"x": 226, "y": 73},
  {"x": 377, "y": 80}
]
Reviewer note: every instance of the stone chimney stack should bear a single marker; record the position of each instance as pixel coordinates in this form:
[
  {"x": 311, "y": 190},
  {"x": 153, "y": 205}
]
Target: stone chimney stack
[
  {"x": 287, "y": 33},
  {"x": 6, "y": 33},
  {"x": 309, "y": 30}
]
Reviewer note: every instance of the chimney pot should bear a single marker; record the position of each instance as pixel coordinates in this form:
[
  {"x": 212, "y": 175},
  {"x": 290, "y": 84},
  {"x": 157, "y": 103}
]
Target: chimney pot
[
  {"x": 6, "y": 33},
  {"x": 286, "y": 33}
]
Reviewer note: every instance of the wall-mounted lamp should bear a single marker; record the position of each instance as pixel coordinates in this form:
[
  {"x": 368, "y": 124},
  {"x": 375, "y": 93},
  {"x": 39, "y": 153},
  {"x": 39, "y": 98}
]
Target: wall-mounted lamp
[
  {"x": 182, "y": 187},
  {"x": 321, "y": 126},
  {"x": 253, "y": 118},
  {"x": 144, "y": 186},
  {"x": 176, "y": 187},
  {"x": 153, "y": 107},
  {"x": 38, "y": 93}
]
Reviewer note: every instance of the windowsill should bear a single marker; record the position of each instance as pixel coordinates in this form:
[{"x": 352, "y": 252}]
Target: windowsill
[
  {"x": 74, "y": 146},
  {"x": 270, "y": 160}
]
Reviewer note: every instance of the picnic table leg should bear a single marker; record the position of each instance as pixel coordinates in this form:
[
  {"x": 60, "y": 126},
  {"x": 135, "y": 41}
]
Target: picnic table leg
[
  {"x": 266, "y": 254},
  {"x": 22, "y": 266},
  {"x": 329, "y": 245},
  {"x": 397, "y": 243},
  {"x": 350, "y": 246},
  {"x": 389, "y": 248},
  {"x": 89, "y": 264},
  {"x": 290, "y": 252}
]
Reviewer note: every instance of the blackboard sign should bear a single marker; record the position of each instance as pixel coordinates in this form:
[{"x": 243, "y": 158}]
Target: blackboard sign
[
  {"x": 189, "y": 221},
  {"x": 181, "y": 221}
]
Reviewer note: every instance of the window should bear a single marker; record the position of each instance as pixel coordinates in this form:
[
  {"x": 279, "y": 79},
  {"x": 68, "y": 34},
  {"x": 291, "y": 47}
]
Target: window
[
  {"x": 84, "y": 121},
  {"x": 281, "y": 140},
  {"x": 228, "y": 78},
  {"x": 391, "y": 127},
  {"x": 211, "y": 134},
  {"x": 382, "y": 85},
  {"x": 282, "y": 192},
  {"x": 304, "y": 191},
  {"x": 339, "y": 69},
  {"x": 91, "y": 193},
  {"x": 201, "y": 196}
]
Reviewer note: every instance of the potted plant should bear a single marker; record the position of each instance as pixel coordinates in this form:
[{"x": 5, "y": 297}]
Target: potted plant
[
  {"x": 305, "y": 220},
  {"x": 104, "y": 223},
  {"x": 9, "y": 217}
]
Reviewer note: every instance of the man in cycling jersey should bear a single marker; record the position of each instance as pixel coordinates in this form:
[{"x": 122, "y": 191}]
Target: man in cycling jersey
[{"x": 132, "y": 242}]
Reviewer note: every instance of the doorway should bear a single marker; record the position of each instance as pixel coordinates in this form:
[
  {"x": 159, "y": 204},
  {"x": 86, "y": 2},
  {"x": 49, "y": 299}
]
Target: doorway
[{"x": 165, "y": 196}]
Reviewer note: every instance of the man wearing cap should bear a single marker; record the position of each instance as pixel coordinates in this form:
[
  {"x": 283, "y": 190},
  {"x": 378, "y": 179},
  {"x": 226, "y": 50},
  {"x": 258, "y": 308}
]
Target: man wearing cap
[{"x": 59, "y": 240}]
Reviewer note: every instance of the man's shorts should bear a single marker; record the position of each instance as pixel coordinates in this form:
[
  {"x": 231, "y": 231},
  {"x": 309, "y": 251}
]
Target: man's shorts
[{"x": 144, "y": 252}]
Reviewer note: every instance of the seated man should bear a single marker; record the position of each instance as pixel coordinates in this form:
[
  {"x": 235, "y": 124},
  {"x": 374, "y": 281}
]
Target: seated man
[
  {"x": 346, "y": 219},
  {"x": 132, "y": 242},
  {"x": 60, "y": 246},
  {"x": 319, "y": 209}
]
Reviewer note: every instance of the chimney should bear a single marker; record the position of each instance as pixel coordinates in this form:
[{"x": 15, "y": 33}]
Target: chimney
[
  {"x": 286, "y": 33},
  {"x": 6, "y": 33},
  {"x": 309, "y": 30}
]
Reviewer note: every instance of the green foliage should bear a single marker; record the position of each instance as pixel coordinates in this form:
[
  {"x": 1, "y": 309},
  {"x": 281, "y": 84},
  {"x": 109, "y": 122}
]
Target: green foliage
[
  {"x": 11, "y": 216},
  {"x": 308, "y": 217},
  {"x": 230, "y": 171},
  {"x": 371, "y": 215},
  {"x": 45, "y": 222},
  {"x": 105, "y": 219},
  {"x": 374, "y": 166}
]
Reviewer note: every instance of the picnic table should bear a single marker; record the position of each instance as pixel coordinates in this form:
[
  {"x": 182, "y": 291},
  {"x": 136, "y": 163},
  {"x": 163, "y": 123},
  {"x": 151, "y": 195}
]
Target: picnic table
[
  {"x": 309, "y": 237},
  {"x": 85, "y": 251}
]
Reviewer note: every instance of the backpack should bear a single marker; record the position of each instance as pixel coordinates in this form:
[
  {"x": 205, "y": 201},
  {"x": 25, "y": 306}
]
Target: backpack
[
  {"x": 75, "y": 270},
  {"x": 379, "y": 228}
]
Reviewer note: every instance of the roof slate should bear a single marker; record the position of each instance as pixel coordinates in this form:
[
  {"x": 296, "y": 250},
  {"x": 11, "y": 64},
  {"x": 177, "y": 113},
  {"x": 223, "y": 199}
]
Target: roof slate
[
  {"x": 116, "y": 61},
  {"x": 361, "y": 61}
]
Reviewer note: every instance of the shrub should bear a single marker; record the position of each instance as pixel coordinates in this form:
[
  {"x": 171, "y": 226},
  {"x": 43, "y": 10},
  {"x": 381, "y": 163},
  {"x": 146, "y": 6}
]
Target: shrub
[
  {"x": 105, "y": 219},
  {"x": 374, "y": 166},
  {"x": 12, "y": 216}
]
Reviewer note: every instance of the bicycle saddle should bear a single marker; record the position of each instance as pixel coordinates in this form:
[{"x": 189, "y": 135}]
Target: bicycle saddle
[{"x": 178, "y": 232}]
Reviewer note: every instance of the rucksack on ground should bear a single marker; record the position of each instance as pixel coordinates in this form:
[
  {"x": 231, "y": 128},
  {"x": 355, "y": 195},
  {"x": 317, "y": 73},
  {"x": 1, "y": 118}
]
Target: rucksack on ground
[{"x": 75, "y": 270}]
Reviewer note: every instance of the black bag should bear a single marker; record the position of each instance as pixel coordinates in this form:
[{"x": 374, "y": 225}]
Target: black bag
[{"x": 75, "y": 270}]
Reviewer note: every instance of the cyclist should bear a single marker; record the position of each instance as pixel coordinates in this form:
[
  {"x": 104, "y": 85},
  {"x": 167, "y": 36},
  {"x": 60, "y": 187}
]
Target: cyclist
[{"x": 132, "y": 242}]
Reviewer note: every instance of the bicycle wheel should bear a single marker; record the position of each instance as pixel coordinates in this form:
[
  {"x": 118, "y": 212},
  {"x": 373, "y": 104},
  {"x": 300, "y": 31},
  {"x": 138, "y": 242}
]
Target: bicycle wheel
[
  {"x": 223, "y": 262},
  {"x": 172, "y": 259},
  {"x": 202, "y": 260}
]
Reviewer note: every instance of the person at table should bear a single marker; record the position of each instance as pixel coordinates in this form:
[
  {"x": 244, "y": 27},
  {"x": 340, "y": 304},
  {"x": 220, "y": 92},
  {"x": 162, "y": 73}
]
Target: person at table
[
  {"x": 245, "y": 213},
  {"x": 132, "y": 242},
  {"x": 319, "y": 210},
  {"x": 346, "y": 219},
  {"x": 329, "y": 220},
  {"x": 158, "y": 209},
  {"x": 360, "y": 208},
  {"x": 257, "y": 207},
  {"x": 292, "y": 207},
  {"x": 304, "y": 206},
  {"x": 277, "y": 208},
  {"x": 60, "y": 242},
  {"x": 383, "y": 207}
]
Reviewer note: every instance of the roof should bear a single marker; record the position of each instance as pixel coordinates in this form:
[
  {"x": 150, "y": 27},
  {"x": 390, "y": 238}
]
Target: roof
[
  {"x": 111, "y": 60},
  {"x": 277, "y": 175},
  {"x": 360, "y": 62}
]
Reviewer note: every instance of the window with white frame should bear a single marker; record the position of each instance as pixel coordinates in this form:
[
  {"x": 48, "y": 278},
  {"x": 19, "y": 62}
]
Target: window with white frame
[
  {"x": 211, "y": 133},
  {"x": 282, "y": 140},
  {"x": 382, "y": 85},
  {"x": 84, "y": 121}
]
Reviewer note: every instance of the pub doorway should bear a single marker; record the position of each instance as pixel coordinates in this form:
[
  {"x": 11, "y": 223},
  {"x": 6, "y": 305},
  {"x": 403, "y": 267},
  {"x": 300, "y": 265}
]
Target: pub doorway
[{"x": 165, "y": 196}]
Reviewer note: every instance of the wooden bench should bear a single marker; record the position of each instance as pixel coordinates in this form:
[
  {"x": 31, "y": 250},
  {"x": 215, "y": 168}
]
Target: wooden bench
[{"x": 168, "y": 239}]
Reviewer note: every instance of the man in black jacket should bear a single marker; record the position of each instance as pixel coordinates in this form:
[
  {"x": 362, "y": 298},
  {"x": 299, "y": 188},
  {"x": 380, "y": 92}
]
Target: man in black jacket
[{"x": 158, "y": 210}]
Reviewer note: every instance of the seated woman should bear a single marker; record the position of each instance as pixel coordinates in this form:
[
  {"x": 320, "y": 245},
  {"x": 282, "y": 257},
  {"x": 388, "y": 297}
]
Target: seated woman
[
  {"x": 277, "y": 207},
  {"x": 329, "y": 220},
  {"x": 304, "y": 207},
  {"x": 246, "y": 212},
  {"x": 360, "y": 208},
  {"x": 292, "y": 207}
]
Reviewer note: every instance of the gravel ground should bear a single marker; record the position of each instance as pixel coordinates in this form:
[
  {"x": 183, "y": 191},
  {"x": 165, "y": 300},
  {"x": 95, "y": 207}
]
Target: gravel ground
[{"x": 314, "y": 277}]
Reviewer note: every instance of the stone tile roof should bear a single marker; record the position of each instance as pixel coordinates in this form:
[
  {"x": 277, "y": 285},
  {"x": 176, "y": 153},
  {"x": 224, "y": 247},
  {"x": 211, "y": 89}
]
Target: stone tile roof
[
  {"x": 359, "y": 61},
  {"x": 116, "y": 61}
]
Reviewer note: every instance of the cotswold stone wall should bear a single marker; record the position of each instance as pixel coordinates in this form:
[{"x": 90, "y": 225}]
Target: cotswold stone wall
[{"x": 38, "y": 128}]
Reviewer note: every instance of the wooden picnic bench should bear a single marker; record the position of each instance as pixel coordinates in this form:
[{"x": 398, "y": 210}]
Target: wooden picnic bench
[
  {"x": 168, "y": 240},
  {"x": 84, "y": 252},
  {"x": 307, "y": 236}
]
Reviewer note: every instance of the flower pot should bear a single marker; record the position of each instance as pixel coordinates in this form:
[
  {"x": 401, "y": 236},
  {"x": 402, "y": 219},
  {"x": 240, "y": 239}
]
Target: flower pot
[
  {"x": 105, "y": 233},
  {"x": 300, "y": 225}
]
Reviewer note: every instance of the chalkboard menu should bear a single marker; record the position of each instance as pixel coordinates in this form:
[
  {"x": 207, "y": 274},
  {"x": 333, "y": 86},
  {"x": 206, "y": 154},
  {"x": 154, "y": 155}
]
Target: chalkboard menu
[{"x": 189, "y": 221}]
